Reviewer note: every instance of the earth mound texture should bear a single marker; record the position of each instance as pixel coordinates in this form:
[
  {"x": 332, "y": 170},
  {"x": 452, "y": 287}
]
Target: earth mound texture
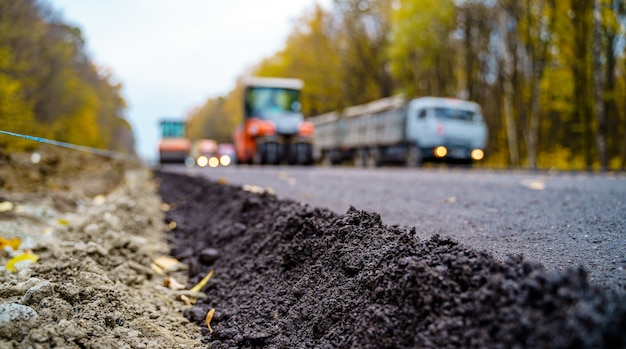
[{"x": 289, "y": 275}]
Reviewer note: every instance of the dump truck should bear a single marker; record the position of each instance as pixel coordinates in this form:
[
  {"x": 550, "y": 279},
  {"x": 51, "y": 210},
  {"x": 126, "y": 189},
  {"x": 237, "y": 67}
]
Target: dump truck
[
  {"x": 273, "y": 130},
  {"x": 394, "y": 130},
  {"x": 174, "y": 147}
]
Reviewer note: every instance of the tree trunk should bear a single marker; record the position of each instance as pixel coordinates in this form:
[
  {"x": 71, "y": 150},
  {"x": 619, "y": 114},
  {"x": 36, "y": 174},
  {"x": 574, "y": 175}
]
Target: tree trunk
[
  {"x": 598, "y": 87},
  {"x": 533, "y": 128},
  {"x": 507, "y": 86}
]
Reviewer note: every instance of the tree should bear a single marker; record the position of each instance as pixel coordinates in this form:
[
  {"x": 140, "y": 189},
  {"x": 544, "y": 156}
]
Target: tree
[
  {"x": 422, "y": 56},
  {"x": 311, "y": 54},
  {"x": 508, "y": 17},
  {"x": 608, "y": 19},
  {"x": 49, "y": 87}
]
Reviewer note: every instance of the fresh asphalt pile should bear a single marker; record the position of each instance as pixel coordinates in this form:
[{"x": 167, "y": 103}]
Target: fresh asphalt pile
[{"x": 288, "y": 275}]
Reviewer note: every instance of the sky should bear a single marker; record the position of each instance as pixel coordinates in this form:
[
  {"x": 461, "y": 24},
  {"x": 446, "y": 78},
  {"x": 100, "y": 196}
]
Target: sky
[{"x": 170, "y": 56}]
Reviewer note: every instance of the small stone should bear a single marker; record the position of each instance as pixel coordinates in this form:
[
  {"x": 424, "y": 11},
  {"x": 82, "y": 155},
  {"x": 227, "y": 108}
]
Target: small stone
[
  {"x": 35, "y": 294},
  {"x": 209, "y": 255},
  {"x": 17, "y": 320}
]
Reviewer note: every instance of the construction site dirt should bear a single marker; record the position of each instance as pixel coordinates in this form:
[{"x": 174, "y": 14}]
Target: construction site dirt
[
  {"x": 288, "y": 275},
  {"x": 86, "y": 240}
]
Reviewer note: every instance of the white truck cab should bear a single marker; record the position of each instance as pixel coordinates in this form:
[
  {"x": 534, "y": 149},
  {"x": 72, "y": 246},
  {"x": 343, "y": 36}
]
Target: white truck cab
[{"x": 446, "y": 128}]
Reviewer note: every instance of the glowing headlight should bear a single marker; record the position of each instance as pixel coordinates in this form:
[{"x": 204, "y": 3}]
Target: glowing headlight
[
  {"x": 477, "y": 154},
  {"x": 441, "y": 151},
  {"x": 202, "y": 161},
  {"x": 214, "y": 162},
  {"x": 225, "y": 160}
]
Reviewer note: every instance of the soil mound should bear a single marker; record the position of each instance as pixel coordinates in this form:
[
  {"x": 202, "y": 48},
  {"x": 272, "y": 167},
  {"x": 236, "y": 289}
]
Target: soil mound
[{"x": 289, "y": 275}]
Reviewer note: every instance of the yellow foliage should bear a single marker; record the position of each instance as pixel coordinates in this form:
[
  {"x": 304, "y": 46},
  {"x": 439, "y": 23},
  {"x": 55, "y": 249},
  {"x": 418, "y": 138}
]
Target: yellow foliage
[{"x": 48, "y": 86}]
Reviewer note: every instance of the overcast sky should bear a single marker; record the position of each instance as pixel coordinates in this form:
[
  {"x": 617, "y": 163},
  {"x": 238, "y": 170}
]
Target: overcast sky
[{"x": 172, "y": 55}]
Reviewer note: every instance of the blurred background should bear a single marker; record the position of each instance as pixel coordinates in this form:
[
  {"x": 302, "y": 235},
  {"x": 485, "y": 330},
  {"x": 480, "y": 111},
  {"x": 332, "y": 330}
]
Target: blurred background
[{"x": 550, "y": 75}]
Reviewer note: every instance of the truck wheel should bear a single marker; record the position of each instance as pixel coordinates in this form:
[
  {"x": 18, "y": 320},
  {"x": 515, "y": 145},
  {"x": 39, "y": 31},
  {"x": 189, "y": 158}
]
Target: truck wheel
[
  {"x": 358, "y": 158},
  {"x": 326, "y": 160},
  {"x": 259, "y": 156},
  {"x": 371, "y": 160},
  {"x": 300, "y": 154},
  {"x": 413, "y": 157},
  {"x": 306, "y": 154}
]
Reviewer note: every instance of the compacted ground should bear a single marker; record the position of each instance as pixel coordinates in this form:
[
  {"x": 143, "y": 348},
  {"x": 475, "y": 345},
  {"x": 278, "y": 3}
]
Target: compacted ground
[
  {"x": 95, "y": 226},
  {"x": 288, "y": 275}
]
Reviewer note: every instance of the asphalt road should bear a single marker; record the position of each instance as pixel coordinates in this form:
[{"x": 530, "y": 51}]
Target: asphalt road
[{"x": 562, "y": 220}]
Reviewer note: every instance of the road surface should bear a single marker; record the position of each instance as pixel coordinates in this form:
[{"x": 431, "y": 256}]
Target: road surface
[{"x": 562, "y": 220}]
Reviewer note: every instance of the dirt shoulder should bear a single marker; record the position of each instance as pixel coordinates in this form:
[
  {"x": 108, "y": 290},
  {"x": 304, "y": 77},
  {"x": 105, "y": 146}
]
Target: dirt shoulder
[{"x": 96, "y": 227}]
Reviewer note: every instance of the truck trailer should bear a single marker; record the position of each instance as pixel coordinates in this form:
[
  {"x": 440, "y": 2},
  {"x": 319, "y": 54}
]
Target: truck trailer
[
  {"x": 393, "y": 130},
  {"x": 273, "y": 129}
]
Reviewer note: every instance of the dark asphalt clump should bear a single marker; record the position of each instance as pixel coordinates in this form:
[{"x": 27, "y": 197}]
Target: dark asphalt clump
[{"x": 289, "y": 275}]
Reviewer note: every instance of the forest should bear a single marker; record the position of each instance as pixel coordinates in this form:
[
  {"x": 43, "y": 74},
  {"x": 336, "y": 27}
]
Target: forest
[
  {"x": 49, "y": 86},
  {"x": 550, "y": 75}
]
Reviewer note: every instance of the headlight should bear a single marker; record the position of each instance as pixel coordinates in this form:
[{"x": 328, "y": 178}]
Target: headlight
[
  {"x": 225, "y": 160},
  {"x": 202, "y": 161},
  {"x": 214, "y": 162},
  {"x": 477, "y": 154},
  {"x": 441, "y": 151}
]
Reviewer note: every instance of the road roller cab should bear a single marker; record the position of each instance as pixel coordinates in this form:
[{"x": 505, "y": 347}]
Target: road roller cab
[{"x": 273, "y": 129}]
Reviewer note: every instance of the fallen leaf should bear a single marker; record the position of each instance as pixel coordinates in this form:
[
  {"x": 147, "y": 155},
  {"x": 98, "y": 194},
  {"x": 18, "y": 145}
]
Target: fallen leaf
[
  {"x": 156, "y": 269},
  {"x": 188, "y": 300},
  {"x": 534, "y": 184},
  {"x": 165, "y": 262},
  {"x": 14, "y": 243},
  {"x": 258, "y": 190},
  {"x": 99, "y": 199},
  {"x": 209, "y": 317},
  {"x": 21, "y": 259},
  {"x": 202, "y": 282},
  {"x": 173, "y": 284},
  {"x": 6, "y": 206}
]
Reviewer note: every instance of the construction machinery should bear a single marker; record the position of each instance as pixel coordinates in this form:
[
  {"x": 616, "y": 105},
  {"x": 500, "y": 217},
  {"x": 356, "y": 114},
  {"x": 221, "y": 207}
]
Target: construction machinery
[
  {"x": 273, "y": 130},
  {"x": 174, "y": 147},
  {"x": 395, "y": 130}
]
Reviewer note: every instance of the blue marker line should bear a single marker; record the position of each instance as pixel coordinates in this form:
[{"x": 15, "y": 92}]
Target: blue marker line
[{"x": 101, "y": 152}]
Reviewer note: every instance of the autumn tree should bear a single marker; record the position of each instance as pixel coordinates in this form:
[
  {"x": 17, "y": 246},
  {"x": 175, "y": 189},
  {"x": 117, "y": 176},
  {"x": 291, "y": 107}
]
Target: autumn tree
[
  {"x": 422, "y": 55},
  {"x": 363, "y": 40},
  {"x": 550, "y": 75},
  {"x": 609, "y": 17},
  {"x": 19, "y": 29},
  {"x": 50, "y": 87},
  {"x": 311, "y": 53}
]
